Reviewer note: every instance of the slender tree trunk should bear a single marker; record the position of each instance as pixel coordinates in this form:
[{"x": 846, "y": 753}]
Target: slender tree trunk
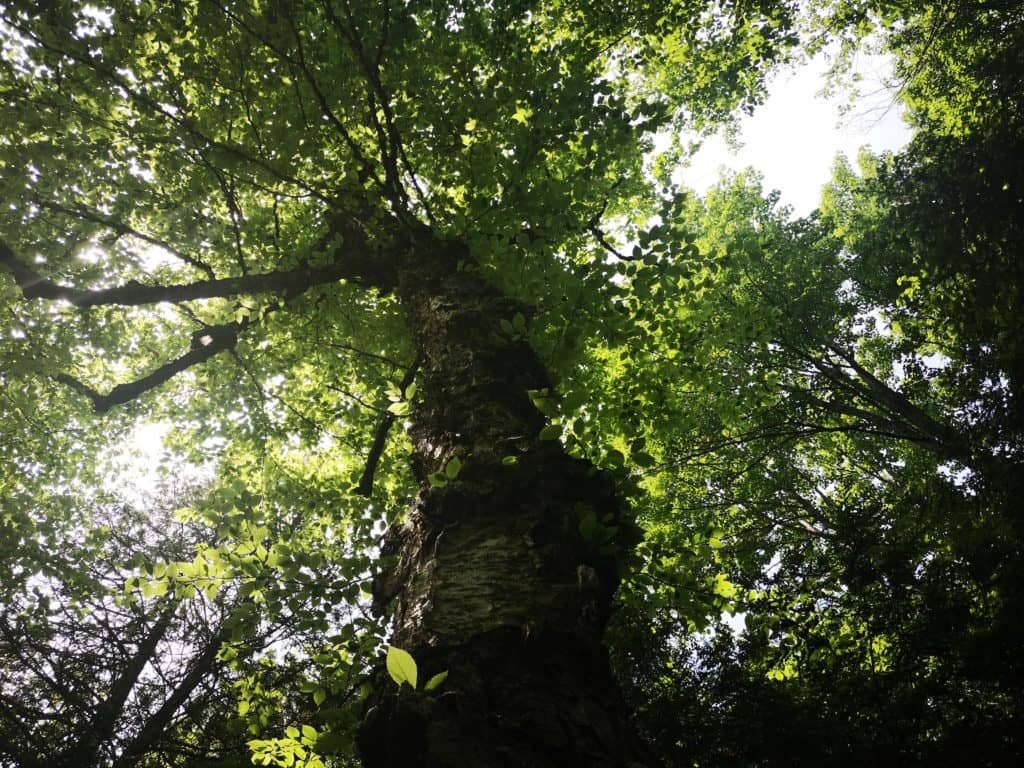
[
  {"x": 491, "y": 578},
  {"x": 86, "y": 751}
]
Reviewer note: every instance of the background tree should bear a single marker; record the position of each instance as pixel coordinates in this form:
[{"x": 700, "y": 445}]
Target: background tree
[{"x": 854, "y": 454}]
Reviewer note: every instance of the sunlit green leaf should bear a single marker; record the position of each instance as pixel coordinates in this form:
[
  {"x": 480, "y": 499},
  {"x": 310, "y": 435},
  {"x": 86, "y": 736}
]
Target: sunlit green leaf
[{"x": 401, "y": 666}]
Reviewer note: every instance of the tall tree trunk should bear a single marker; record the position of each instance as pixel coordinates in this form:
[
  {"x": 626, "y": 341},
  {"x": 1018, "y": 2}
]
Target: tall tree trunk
[{"x": 491, "y": 578}]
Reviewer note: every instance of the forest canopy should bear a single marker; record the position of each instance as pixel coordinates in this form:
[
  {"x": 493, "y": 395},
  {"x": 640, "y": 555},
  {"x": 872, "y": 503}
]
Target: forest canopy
[{"x": 484, "y": 442}]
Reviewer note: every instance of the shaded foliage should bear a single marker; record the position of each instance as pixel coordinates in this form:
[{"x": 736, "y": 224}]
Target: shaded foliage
[{"x": 864, "y": 495}]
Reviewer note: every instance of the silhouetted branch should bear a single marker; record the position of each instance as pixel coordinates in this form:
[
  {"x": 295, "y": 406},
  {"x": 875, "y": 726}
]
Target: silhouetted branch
[
  {"x": 380, "y": 438},
  {"x": 115, "y": 225},
  {"x": 285, "y": 282},
  {"x": 159, "y": 720},
  {"x": 206, "y": 343}
]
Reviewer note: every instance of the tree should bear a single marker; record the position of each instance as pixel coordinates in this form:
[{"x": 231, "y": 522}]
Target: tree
[
  {"x": 97, "y": 673},
  {"x": 417, "y": 271},
  {"x": 853, "y": 457},
  {"x": 249, "y": 218},
  {"x": 856, "y": 508},
  {"x": 132, "y": 632}
]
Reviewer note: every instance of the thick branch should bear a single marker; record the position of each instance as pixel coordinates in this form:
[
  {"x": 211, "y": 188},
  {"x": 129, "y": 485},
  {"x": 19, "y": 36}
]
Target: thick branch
[
  {"x": 286, "y": 282},
  {"x": 840, "y": 408},
  {"x": 109, "y": 711},
  {"x": 898, "y": 404},
  {"x": 895, "y": 412},
  {"x": 157, "y": 723},
  {"x": 211, "y": 341}
]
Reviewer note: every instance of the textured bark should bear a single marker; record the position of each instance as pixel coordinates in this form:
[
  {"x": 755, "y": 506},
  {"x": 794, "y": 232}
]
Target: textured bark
[{"x": 490, "y": 576}]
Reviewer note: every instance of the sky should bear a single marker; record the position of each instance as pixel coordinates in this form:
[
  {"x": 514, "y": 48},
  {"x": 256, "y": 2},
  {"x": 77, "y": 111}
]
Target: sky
[{"x": 793, "y": 138}]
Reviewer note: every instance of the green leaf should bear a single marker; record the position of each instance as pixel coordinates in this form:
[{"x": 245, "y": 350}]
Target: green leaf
[
  {"x": 523, "y": 114},
  {"x": 550, "y": 432},
  {"x": 156, "y": 588},
  {"x": 331, "y": 743},
  {"x": 453, "y": 467},
  {"x": 436, "y": 680},
  {"x": 510, "y": 461},
  {"x": 401, "y": 666},
  {"x": 319, "y": 696},
  {"x": 543, "y": 402},
  {"x": 642, "y": 459},
  {"x": 438, "y": 479},
  {"x": 615, "y": 458},
  {"x": 589, "y": 527},
  {"x": 724, "y": 587},
  {"x": 399, "y": 409}
]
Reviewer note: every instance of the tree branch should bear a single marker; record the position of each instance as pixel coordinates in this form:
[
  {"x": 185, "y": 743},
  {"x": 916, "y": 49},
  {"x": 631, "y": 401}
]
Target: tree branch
[
  {"x": 111, "y": 709},
  {"x": 389, "y": 139},
  {"x": 157, "y": 723},
  {"x": 182, "y": 123},
  {"x": 81, "y": 212},
  {"x": 288, "y": 283},
  {"x": 366, "y": 167},
  {"x": 206, "y": 343},
  {"x": 898, "y": 404},
  {"x": 603, "y": 242},
  {"x": 594, "y": 227},
  {"x": 380, "y": 438}
]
